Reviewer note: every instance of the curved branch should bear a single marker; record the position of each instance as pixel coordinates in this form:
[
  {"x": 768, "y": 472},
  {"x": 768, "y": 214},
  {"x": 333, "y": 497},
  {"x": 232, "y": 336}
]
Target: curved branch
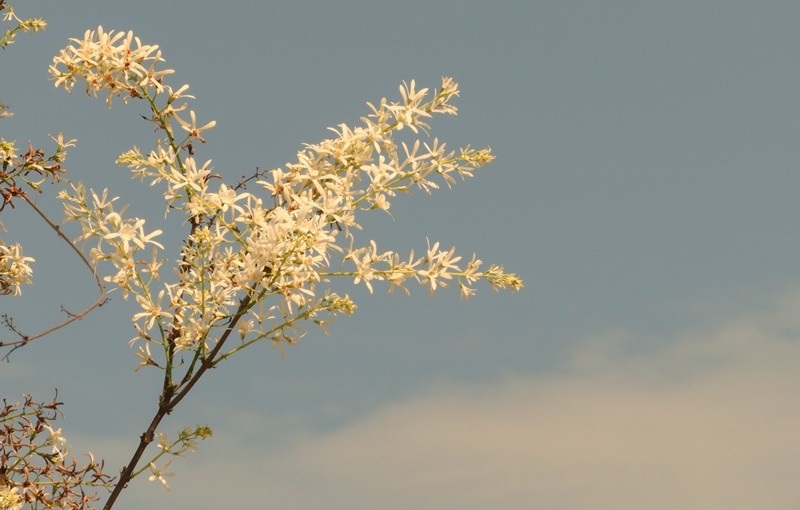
[{"x": 100, "y": 301}]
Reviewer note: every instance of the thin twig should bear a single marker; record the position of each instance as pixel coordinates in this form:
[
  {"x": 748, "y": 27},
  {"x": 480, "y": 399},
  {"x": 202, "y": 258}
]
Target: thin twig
[{"x": 100, "y": 301}]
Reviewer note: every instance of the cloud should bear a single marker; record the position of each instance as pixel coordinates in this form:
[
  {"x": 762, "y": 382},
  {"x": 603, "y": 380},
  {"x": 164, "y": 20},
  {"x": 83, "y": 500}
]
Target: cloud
[{"x": 708, "y": 419}]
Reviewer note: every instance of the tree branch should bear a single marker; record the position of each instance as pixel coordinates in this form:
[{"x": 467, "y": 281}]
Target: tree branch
[{"x": 100, "y": 301}]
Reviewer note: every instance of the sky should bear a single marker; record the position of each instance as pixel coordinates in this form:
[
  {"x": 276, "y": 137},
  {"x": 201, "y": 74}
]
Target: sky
[{"x": 644, "y": 188}]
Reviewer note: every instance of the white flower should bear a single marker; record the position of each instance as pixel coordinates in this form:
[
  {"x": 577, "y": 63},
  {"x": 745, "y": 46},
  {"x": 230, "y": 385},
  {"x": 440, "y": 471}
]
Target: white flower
[
  {"x": 56, "y": 441},
  {"x": 10, "y": 498},
  {"x": 245, "y": 327},
  {"x": 15, "y": 269},
  {"x": 129, "y": 231},
  {"x": 191, "y": 127},
  {"x": 151, "y": 310},
  {"x": 160, "y": 474}
]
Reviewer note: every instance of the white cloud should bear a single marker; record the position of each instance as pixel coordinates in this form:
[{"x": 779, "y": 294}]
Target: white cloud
[{"x": 707, "y": 420}]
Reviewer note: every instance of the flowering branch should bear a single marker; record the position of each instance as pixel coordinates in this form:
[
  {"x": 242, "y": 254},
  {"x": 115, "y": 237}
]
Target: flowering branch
[
  {"x": 256, "y": 264},
  {"x": 26, "y": 25}
]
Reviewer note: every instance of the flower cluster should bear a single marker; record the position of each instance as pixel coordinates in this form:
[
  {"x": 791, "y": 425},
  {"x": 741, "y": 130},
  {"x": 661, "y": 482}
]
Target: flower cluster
[
  {"x": 256, "y": 260},
  {"x": 119, "y": 239},
  {"x": 15, "y": 269},
  {"x": 109, "y": 61},
  {"x": 31, "y": 168},
  {"x": 34, "y": 469},
  {"x": 19, "y": 173}
]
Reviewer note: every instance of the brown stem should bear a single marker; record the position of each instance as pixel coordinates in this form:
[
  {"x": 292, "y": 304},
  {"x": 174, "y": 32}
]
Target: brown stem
[
  {"x": 100, "y": 301},
  {"x": 144, "y": 440}
]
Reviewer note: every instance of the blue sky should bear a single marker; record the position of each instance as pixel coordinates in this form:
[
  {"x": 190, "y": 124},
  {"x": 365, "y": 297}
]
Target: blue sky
[{"x": 644, "y": 188}]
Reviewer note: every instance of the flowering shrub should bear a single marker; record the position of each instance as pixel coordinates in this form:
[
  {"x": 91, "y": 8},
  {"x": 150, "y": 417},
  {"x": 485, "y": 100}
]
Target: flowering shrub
[{"x": 256, "y": 264}]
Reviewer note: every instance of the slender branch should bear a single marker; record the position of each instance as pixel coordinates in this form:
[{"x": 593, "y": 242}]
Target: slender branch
[
  {"x": 144, "y": 441},
  {"x": 100, "y": 301}
]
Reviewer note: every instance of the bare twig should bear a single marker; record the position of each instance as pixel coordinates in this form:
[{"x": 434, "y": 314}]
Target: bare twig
[{"x": 72, "y": 317}]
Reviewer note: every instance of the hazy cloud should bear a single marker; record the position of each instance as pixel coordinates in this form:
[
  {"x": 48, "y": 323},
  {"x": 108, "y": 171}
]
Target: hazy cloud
[{"x": 709, "y": 420}]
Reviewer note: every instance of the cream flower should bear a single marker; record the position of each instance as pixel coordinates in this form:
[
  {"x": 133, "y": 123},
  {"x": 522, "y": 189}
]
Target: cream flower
[
  {"x": 15, "y": 269},
  {"x": 10, "y": 499},
  {"x": 159, "y": 474}
]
